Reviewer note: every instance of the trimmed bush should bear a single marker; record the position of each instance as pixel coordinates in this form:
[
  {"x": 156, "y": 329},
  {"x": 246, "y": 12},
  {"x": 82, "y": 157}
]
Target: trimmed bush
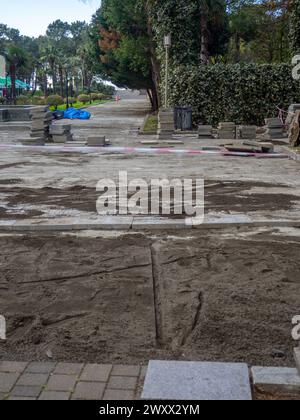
[
  {"x": 94, "y": 96},
  {"x": 101, "y": 96},
  {"x": 55, "y": 100},
  {"x": 72, "y": 100},
  {"x": 23, "y": 100},
  {"x": 84, "y": 98},
  {"x": 38, "y": 101},
  {"x": 244, "y": 94}
]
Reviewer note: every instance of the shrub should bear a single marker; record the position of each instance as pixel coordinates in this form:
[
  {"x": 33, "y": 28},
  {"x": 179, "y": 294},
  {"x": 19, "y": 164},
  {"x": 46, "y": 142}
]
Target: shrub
[
  {"x": 55, "y": 100},
  {"x": 94, "y": 96},
  {"x": 244, "y": 94},
  {"x": 84, "y": 98},
  {"x": 72, "y": 100},
  {"x": 23, "y": 100},
  {"x": 100, "y": 96},
  {"x": 38, "y": 101}
]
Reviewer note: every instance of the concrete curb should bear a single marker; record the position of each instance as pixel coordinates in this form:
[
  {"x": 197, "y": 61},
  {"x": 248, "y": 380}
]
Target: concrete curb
[
  {"x": 135, "y": 224},
  {"x": 275, "y": 380},
  {"x": 291, "y": 153}
]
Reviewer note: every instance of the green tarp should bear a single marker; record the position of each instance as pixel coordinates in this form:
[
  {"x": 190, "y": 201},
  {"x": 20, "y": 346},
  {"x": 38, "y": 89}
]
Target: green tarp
[{"x": 19, "y": 83}]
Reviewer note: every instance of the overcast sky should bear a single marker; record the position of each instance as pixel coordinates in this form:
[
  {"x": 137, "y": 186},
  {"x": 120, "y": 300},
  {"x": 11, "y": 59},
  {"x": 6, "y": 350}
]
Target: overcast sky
[{"x": 32, "y": 17}]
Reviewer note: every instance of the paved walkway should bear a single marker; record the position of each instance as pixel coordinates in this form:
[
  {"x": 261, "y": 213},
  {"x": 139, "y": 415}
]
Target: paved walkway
[{"x": 65, "y": 381}]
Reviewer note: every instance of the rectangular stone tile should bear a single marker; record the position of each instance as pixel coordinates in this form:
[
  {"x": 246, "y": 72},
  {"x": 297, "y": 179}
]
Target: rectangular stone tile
[
  {"x": 68, "y": 369},
  {"x": 54, "y": 396},
  {"x": 26, "y": 391},
  {"x": 297, "y": 358},
  {"x": 61, "y": 383},
  {"x": 7, "y": 381},
  {"x": 158, "y": 223},
  {"x": 33, "y": 379},
  {"x": 122, "y": 382},
  {"x": 13, "y": 367},
  {"x": 197, "y": 381},
  {"x": 21, "y": 399},
  {"x": 123, "y": 370},
  {"x": 118, "y": 395},
  {"x": 89, "y": 391},
  {"x": 96, "y": 373},
  {"x": 274, "y": 379},
  {"x": 40, "y": 367}
]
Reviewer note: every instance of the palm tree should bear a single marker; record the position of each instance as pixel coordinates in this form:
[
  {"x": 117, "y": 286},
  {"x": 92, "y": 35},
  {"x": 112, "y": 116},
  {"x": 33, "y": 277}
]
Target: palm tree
[{"x": 16, "y": 58}]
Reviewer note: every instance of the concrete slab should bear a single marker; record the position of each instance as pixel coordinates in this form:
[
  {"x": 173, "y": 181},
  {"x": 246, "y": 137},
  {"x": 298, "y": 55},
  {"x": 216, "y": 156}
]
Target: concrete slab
[
  {"x": 297, "y": 358},
  {"x": 274, "y": 379},
  {"x": 158, "y": 223},
  {"x": 197, "y": 381}
]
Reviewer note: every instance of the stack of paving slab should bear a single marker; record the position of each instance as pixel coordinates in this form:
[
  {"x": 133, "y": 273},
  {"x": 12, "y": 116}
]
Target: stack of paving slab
[
  {"x": 41, "y": 119},
  {"x": 247, "y": 131},
  {"x": 205, "y": 131},
  {"x": 96, "y": 141},
  {"x": 166, "y": 126},
  {"x": 291, "y": 112},
  {"x": 274, "y": 129},
  {"x": 227, "y": 130},
  {"x": 61, "y": 133}
]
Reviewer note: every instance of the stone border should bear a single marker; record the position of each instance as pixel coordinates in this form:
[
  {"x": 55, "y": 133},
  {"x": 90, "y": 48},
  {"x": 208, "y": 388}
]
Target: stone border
[
  {"x": 137, "y": 223},
  {"x": 291, "y": 153},
  {"x": 275, "y": 380}
]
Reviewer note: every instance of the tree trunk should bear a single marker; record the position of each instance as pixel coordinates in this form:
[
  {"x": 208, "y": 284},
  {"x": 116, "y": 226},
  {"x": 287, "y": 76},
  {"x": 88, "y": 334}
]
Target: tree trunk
[
  {"x": 237, "y": 48},
  {"x": 12, "y": 72},
  {"x": 204, "y": 53},
  {"x": 61, "y": 77},
  {"x": 155, "y": 68}
]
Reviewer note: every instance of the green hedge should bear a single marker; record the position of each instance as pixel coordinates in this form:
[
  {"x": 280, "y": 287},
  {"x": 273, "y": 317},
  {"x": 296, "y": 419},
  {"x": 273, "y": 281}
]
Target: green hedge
[{"x": 245, "y": 94}]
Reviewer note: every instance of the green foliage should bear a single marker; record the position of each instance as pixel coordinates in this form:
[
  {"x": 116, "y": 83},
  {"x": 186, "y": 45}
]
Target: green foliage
[
  {"x": 38, "y": 100},
  {"x": 23, "y": 100},
  {"x": 295, "y": 27},
  {"x": 94, "y": 96},
  {"x": 245, "y": 94},
  {"x": 55, "y": 100},
  {"x": 84, "y": 98},
  {"x": 72, "y": 100}
]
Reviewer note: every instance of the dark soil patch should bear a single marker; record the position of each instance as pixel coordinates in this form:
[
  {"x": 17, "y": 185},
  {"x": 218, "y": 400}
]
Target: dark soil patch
[
  {"x": 219, "y": 196},
  {"x": 128, "y": 300}
]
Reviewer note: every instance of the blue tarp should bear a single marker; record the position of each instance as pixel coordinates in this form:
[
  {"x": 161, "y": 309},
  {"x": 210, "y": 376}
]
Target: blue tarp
[{"x": 76, "y": 114}]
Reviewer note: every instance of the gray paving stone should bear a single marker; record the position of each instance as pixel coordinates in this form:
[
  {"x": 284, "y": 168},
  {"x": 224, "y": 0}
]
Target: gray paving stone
[
  {"x": 274, "y": 379},
  {"x": 122, "y": 382},
  {"x": 33, "y": 379},
  {"x": 68, "y": 369},
  {"x": 13, "y": 367},
  {"x": 61, "y": 383},
  {"x": 297, "y": 358},
  {"x": 21, "y": 399},
  {"x": 118, "y": 395},
  {"x": 89, "y": 391},
  {"x": 158, "y": 223},
  {"x": 40, "y": 367},
  {"x": 26, "y": 391},
  {"x": 54, "y": 396},
  {"x": 123, "y": 370},
  {"x": 7, "y": 381},
  {"x": 197, "y": 381},
  {"x": 96, "y": 373},
  {"x": 2, "y": 396}
]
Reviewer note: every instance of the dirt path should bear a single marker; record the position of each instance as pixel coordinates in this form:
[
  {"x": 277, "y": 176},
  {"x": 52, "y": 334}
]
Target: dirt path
[{"x": 132, "y": 298}]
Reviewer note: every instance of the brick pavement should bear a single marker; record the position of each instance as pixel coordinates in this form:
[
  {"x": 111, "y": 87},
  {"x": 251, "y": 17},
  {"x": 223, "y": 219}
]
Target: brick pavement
[{"x": 65, "y": 381}]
